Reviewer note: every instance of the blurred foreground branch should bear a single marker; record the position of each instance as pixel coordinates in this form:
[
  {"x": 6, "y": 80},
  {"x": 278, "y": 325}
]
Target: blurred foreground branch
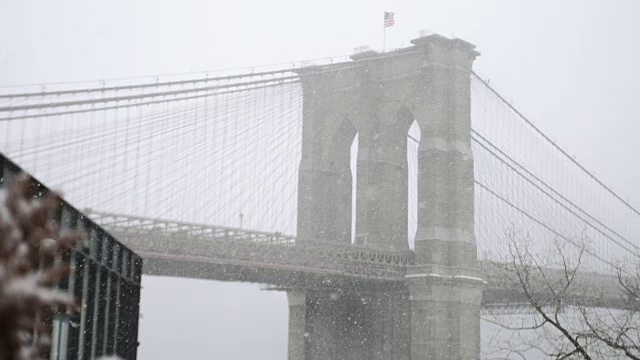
[{"x": 30, "y": 267}]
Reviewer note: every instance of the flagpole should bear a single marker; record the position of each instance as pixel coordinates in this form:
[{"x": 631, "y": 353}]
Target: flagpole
[
  {"x": 388, "y": 21},
  {"x": 384, "y": 37}
]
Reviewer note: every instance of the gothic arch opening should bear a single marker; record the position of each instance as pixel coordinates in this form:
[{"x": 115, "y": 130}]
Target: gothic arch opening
[
  {"x": 354, "y": 181},
  {"x": 344, "y": 142},
  {"x": 413, "y": 144}
]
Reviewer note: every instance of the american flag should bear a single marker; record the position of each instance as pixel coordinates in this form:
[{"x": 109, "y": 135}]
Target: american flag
[{"x": 388, "y": 19}]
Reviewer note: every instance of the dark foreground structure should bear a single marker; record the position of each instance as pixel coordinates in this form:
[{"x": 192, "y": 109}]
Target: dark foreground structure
[{"x": 105, "y": 281}]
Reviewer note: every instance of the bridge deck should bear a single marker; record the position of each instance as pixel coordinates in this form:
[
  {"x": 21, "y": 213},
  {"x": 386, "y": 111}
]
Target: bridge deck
[{"x": 182, "y": 249}]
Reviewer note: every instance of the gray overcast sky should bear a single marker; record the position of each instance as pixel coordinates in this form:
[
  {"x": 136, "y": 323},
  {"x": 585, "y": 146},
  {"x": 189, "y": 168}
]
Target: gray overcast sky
[{"x": 572, "y": 66}]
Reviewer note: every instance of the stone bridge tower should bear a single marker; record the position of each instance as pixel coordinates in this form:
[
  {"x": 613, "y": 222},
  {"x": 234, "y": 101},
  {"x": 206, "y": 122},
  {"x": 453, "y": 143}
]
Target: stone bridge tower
[{"x": 378, "y": 96}]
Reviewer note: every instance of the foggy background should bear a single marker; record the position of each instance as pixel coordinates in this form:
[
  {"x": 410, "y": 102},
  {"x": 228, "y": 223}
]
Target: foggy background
[{"x": 570, "y": 66}]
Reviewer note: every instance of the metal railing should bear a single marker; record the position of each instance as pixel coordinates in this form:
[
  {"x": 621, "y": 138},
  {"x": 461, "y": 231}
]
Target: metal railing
[{"x": 162, "y": 236}]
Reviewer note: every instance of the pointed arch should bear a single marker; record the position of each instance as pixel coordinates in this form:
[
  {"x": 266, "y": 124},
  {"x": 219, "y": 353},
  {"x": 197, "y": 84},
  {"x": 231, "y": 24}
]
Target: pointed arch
[
  {"x": 413, "y": 145},
  {"x": 354, "y": 184},
  {"x": 340, "y": 146}
]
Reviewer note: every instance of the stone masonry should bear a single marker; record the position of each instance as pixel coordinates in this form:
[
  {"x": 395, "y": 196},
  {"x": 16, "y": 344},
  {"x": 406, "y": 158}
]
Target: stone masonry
[{"x": 378, "y": 96}]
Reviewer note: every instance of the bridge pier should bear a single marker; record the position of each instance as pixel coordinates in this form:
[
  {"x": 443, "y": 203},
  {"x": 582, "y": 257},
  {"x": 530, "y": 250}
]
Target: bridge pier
[
  {"x": 445, "y": 288},
  {"x": 348, "y": 326},
  {"x": 297, "y": 325},
  {"x": 445, "y": 319}
]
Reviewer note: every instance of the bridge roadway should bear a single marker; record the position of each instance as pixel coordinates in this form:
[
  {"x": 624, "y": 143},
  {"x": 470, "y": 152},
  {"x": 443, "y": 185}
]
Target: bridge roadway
[{"x": 189, "y": 250}]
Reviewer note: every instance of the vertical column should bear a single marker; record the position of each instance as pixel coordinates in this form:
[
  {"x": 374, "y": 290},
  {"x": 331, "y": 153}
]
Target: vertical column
[
  {"x": 317, "y": 318},
  {"x": 324, "y": 180},
  {"x": 445, "y": 291},
  {"x": 324, "y": 203},
  {"x": 382, "y": 207}
]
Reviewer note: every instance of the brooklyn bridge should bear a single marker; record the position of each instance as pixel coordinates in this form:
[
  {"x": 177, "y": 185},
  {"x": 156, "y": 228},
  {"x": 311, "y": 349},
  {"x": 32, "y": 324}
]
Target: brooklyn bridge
[{"x": 381, "y": 193}]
